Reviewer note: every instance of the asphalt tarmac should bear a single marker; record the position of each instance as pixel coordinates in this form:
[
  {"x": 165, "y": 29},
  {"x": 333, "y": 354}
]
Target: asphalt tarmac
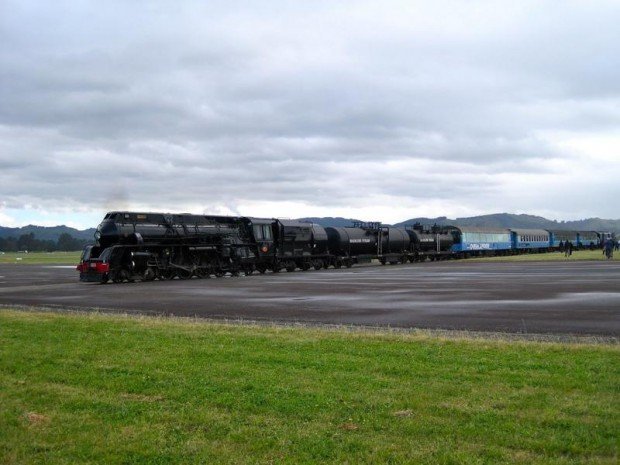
[{"x": 536, "y": 297}]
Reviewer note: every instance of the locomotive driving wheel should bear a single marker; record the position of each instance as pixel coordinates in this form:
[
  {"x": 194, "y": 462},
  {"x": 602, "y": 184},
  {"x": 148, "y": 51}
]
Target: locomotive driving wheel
[
  {"x": 120, "y": 276},
  {"x": 184, "y": 273},
  {"x": 165, "y": 274},
  {"x": 201, "y": 272},
  {"x": 149, "y": 274}
]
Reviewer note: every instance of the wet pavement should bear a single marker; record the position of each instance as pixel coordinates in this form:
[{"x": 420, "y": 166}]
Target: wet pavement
[{"x": 537, "y": 297}]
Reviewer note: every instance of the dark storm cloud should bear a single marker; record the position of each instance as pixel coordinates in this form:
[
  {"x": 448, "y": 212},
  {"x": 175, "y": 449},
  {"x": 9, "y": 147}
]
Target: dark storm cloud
[{"x": 329, "y": 104}]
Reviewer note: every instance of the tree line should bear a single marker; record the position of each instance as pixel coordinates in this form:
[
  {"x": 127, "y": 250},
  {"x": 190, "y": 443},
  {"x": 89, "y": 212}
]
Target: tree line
[{"x": 66, "y": 243}]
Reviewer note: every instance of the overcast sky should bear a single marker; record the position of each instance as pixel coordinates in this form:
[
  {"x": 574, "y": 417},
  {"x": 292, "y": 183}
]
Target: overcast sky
[{"x": 375, "y": 110}]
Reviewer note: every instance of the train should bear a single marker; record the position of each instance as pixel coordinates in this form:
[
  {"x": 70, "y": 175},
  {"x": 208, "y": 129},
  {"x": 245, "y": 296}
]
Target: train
[{"x": 136, "y": 246}]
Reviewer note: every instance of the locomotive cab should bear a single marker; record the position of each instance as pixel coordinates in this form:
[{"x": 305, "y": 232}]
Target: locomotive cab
[{"x": 261, "y": 230}]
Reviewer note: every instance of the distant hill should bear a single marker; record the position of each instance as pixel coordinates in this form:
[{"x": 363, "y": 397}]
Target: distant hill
[
  {"x": 497, "y": 220},
  {"x": 508, "y": 220},
  {"x": 48, "y": 233},
  {"x": 329, "y": 221}
]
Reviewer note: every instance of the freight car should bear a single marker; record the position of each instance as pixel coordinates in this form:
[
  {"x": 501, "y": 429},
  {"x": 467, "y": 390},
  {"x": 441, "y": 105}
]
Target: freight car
[
  {"x": 432, "y": 243},
  {"x": 365, "y": 241}
]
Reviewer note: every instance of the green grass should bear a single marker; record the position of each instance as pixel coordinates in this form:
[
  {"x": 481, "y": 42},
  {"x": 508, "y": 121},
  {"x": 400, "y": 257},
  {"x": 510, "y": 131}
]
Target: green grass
[
  {"x": 112, "y": 389},
  {"x": 577, "y": 255},
  {"x": 41, "y": 258}
]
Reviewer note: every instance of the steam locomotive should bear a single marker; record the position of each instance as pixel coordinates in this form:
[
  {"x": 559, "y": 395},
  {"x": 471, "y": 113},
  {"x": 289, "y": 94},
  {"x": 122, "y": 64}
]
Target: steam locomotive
[{"x": 134, "y": 246}]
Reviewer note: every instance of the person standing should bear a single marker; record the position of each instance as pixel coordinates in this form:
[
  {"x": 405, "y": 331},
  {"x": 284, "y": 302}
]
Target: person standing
[
  {"x": 609, "y": 249},
  {"x": 568, "y": 247}
]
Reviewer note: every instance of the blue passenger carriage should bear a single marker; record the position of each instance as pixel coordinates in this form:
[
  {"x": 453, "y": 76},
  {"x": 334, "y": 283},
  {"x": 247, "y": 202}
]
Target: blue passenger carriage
[
  {"x": 588, "y": 239},
  {"x": 557, "y": 236},
  {"x": 537, "y": 240},
  {"x": 470, "y": 241}
]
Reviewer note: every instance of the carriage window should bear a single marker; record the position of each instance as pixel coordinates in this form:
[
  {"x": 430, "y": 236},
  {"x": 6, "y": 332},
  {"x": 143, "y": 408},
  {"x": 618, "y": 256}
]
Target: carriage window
[
  {"x": 267, "y": 231},
  {"x": 258, "y": 232}
]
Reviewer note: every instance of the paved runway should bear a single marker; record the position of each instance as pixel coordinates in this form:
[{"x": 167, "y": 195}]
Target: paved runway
[{"x": 540, "y": 297}]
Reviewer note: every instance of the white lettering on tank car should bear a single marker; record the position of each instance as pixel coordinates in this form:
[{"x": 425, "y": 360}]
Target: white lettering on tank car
[
  {"x": 479, "y": 246},
  {"x": 359, "y": 241}
]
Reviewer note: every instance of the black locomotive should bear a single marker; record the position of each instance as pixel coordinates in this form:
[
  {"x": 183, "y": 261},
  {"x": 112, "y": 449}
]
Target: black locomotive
[{"x": 146, "y": 246}]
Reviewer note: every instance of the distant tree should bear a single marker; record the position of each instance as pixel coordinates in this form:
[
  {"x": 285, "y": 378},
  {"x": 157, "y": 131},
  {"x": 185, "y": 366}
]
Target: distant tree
[
  {"x": 26, "y": 242},
  {"x": 8, "y": 244},
  {"x": 66, "y": 242},
  {"x": 48, "y": 246}
]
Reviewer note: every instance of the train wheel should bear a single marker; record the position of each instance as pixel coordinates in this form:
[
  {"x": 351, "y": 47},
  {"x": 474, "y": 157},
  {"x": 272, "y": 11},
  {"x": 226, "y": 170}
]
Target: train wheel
[
  {"x": 248, "y": 272},
  {"x": 318, "y": 265},
  {"x": 219, "y": 273},
  {"x": 290, "y": 267},
  {"x": 184, "y": 274},
  {"x": 168, "y": 274},
  {"x": 149, "y": 274},
  {"x": 121, "y": 276},
  {"x": 261, "y": 269},
  {"x": 201, "y": 273},
  {"x": 305, "y": 266}
]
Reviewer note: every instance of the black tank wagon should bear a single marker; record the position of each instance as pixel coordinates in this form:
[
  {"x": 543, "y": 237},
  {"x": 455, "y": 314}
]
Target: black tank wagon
[
  {"x": 366, "y": 241},
  {"x": 432, "y": 243}
]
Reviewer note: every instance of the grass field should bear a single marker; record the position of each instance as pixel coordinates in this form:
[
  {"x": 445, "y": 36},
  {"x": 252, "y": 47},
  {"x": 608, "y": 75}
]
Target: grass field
[
  {"x": 41, "y": 258},
  {"x": 553, "y": 256},
  {"x": 113, "y": 389},
  {"x": 72, "y": 258}
]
